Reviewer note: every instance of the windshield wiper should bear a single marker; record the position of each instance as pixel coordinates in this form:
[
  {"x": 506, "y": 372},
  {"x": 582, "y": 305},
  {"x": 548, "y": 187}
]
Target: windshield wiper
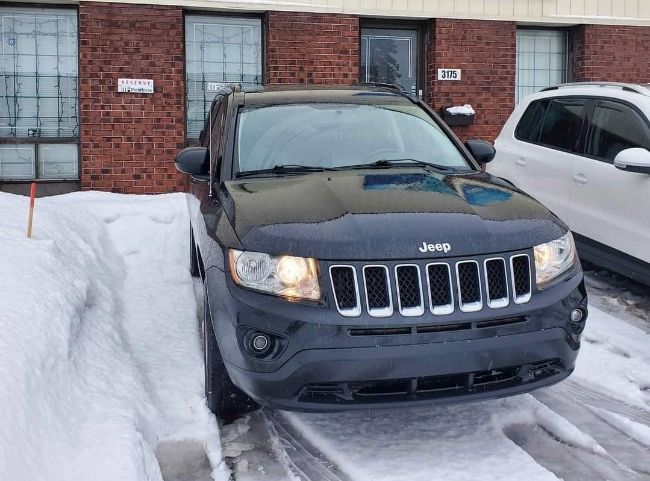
[
  {"x": 391, "y": 162},
  {"x": 284, "y": 169}
]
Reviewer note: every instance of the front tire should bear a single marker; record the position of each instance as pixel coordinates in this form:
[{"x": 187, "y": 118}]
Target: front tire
[{"x": 224, "y": 399}]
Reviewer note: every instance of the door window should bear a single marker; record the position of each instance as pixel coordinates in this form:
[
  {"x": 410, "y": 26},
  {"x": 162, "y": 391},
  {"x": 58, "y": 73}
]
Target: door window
[
  {"x": 216, "y": 135},
  {"x": 563, "y": 124},
  {"x": 390, "y": 56},
  {"x": 616, "y": 127},
  {"x": 218, "y": 51}
]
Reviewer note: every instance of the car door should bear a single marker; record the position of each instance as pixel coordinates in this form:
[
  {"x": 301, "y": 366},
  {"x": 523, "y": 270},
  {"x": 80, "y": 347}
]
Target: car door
[
  {"x": 539, "y": 157},
  {"x": 609, "y": 205},
  {"x": 201, "y": 199}
]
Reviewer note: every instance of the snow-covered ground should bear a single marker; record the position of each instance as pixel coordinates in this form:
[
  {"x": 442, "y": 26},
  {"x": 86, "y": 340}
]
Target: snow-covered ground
[
  {"x": 101, "y": 372},
  {"x": 100, "y": 357}
]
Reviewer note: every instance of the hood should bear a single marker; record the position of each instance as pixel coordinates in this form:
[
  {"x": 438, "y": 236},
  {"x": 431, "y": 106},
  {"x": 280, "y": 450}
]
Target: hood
[{"x": 385, "y": 214}]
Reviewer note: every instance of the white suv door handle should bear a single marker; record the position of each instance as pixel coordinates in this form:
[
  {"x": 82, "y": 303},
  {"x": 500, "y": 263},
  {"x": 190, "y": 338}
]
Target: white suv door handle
[
  {"x": 520, "y": 162},
  {"x": 580, "y": 179}
]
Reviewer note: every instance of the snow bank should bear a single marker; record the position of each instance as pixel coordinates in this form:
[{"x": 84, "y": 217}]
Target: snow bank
[{"x": 99, "y": 348}]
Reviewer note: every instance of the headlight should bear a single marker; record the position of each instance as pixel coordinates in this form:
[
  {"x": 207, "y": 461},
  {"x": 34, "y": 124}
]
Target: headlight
[
  {"x": 288, "y": 276},
  {"x": 554, "y": 258}
]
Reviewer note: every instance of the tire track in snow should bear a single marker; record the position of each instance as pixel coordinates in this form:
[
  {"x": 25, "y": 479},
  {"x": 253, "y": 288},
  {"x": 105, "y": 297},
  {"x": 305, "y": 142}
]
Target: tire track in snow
[
  {"x": 584, "y": 394},
  {"x": 626, "y": 459},
  {"x": 304, "y": 458}
]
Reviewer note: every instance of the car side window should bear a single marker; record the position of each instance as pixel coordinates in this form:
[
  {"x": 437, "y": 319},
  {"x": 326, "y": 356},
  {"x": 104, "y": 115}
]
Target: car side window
[
  {"x": 616, "y": 127},
  {"x": 563, "y": 124},
  {"x": 218, "y": 125},
  {"x": 531, "y": 122}
]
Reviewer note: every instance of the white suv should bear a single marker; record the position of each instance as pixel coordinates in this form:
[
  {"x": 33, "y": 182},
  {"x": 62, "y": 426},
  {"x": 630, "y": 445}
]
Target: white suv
[{"x": 583, "y": 150}]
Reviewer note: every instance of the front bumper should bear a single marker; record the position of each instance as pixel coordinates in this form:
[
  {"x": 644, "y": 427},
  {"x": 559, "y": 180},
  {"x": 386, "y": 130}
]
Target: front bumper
[
  {"x": 322, "y": 367},
  {"x": 336, "y": 379}
]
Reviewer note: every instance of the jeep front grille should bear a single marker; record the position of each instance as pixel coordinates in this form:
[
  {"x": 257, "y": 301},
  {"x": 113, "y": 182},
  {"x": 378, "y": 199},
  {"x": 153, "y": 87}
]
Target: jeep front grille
[
  {"x": 409, "y": 290},
  {"x": 470, "y": 297},
  {"x": 346, "y": 293},
  {"x": 379, "y": 299},
  {"x": 441, "y": 297},
  {"x": 520, "y": 267},
  {"x": 497, "y": 283},
  {"x": 445, "y": 286}
]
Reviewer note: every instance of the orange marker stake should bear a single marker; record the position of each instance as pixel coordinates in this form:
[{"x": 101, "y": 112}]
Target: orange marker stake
[{"x": 32, "y": 195}]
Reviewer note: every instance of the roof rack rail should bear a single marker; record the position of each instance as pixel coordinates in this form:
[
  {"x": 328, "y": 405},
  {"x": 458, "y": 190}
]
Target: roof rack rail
[
  {"x": 383, "y": 85},
  {"x": 623, "y": 86}
]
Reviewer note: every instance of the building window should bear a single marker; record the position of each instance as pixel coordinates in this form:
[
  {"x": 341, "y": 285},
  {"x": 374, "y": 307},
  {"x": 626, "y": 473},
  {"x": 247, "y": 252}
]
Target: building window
[
  {"x": 39, "y": 113},
  {"x": 390, "y": 55},
  {"x": 541, "y": 60},
  {"x": 218, "y": 50}
]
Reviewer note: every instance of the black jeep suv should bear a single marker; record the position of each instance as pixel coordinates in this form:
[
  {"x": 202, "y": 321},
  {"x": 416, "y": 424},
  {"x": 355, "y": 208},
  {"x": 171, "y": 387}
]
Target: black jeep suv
[{"x": 355, "y": 255}]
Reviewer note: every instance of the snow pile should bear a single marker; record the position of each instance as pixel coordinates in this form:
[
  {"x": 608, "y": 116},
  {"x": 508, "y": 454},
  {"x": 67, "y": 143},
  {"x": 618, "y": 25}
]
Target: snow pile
[
  {"x": 99, "y": 348},
  {"x": 461, "y": 110}
]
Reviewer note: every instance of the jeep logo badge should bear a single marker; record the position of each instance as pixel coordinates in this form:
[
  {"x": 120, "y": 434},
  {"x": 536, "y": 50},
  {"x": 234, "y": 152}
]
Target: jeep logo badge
[{"x": 440, "y": 247}]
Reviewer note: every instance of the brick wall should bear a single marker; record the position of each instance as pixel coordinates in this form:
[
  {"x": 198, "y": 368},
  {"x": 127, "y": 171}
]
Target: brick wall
[
  {"x": 128, "y": 141},
  {"x": 612, "y": 53},
  {"x": 486, "y": 53},
  {"x": 311, "y": 48}
]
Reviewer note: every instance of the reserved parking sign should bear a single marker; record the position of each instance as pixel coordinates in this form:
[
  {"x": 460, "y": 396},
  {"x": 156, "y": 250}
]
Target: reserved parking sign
[{"x": 135, "y": 85}]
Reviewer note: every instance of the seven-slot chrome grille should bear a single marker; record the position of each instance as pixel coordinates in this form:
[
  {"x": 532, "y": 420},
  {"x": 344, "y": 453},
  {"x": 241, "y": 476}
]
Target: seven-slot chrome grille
[{"x": 442, "y": 287}]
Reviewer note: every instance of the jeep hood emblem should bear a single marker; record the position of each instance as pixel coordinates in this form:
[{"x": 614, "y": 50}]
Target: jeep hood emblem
[{"x": 440, "y": 247}]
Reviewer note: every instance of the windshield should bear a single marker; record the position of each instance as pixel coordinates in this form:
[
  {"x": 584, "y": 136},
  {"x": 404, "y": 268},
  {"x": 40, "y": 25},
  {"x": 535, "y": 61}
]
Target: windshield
[{"x": 331, "y": 135}]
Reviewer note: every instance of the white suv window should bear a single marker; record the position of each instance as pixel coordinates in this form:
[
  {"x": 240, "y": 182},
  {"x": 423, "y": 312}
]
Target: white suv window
[
  {"x": 616, "y": 127},
  {"x": 554, "y": 123}
]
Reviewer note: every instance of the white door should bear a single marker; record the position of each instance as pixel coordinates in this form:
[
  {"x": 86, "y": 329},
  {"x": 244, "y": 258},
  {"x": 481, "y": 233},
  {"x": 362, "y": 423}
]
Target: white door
[
  {"x": 609, "y": 205},
  {"x": 539, "y": 157}
]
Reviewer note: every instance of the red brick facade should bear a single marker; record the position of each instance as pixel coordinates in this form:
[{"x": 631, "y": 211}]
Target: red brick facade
[
  {"x": 128, "y": 141},
  {"x": 611, "y": 53},
  {"x": 486, "y": 53},
  {"x": 311, "y": 48}
]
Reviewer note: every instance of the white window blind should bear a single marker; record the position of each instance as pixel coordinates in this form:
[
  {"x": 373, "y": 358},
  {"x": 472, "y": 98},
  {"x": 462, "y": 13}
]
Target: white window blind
[{"x": 541, "y": 60}]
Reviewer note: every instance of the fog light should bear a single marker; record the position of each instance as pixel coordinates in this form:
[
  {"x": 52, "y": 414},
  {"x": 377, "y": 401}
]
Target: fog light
[
  {"x": 577, "y": 315},
  {"x": 261, "y": 343},
  {"x": 577, "y": 322}
]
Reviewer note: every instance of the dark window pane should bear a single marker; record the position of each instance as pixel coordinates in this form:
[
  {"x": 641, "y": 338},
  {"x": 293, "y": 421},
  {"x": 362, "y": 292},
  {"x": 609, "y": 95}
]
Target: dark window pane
[
  {"x": 531, "y": 122},
  {"x": 614, "y": 128},
  {"x": 563, "y": 124},
  {"x": 390, "y": 56}
]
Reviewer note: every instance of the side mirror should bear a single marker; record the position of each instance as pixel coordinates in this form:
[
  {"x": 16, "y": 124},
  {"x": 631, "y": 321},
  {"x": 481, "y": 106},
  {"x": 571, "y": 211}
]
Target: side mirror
[
  {"x": 192, "y": 161},
  {"x": 633, "y": 160},
  {"x": 481, "y": 150}
]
